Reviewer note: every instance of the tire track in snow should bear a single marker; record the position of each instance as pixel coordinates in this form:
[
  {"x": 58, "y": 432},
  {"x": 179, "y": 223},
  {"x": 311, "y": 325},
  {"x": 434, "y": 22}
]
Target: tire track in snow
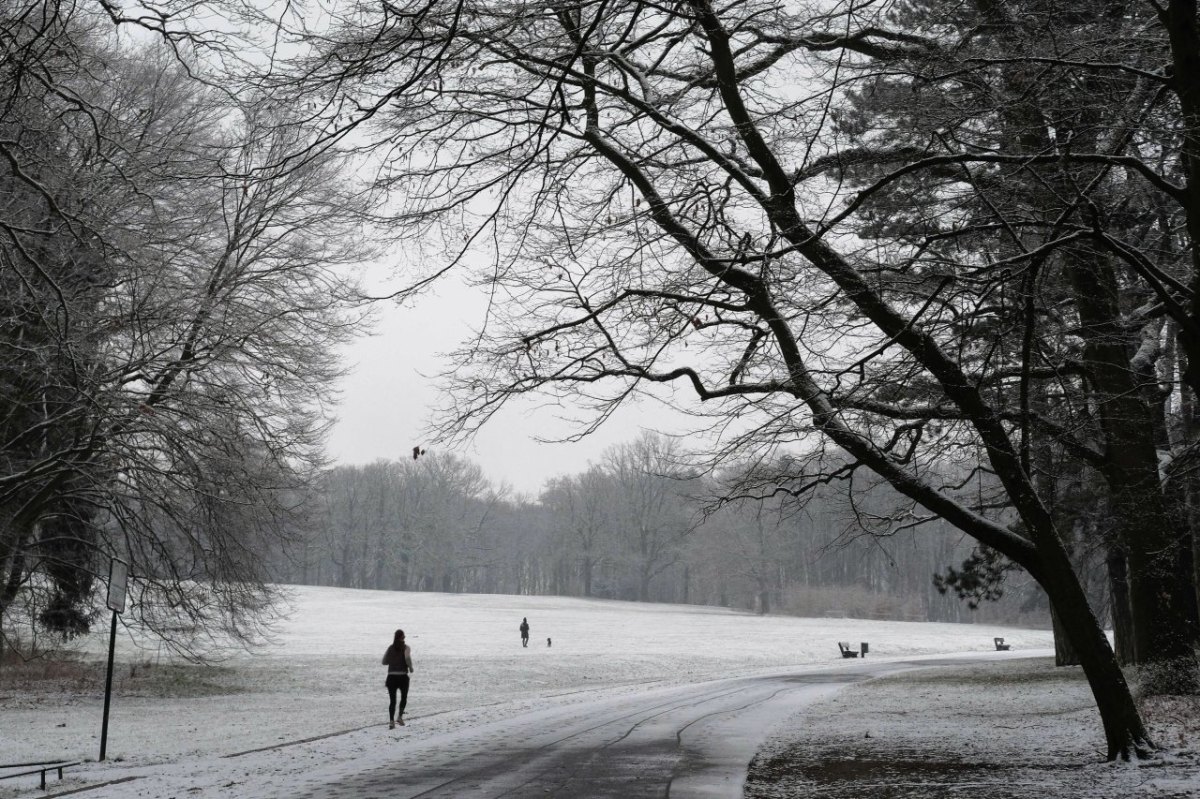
[{"x": 550, "y": 745}]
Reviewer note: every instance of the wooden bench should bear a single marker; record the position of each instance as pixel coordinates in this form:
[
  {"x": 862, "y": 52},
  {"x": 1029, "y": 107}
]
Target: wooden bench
[
  {"x": 847, "y": 652},
  {"x": 40, "y": 767},
  {"x": 1000, "y": 645}
]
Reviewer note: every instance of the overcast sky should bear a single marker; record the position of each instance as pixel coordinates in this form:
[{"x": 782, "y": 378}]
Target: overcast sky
[{"x": 387, "y": 400}]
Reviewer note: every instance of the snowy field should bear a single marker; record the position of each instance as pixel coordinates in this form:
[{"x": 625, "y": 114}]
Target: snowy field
[{"x": 322, "y": 674}]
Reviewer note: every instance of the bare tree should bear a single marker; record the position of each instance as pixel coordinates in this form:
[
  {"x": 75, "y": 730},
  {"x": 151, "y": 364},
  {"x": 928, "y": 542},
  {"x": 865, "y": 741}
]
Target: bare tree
[
  {"x": 172, "y": 296},
  {"x": 656, "y": 180},
  {"x": 581, "y": 505},
  {"x": 650, "y": 517},
  {"x": 753, "y": 541},
  {"x": 1045, "y": 166},
  {"x": 408, "y": 525}
]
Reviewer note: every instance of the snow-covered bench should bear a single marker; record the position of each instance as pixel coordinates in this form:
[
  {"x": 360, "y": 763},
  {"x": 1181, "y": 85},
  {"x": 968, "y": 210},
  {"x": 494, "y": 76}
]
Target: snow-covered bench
[
  {"x": 1000, "y": 645},
  {"x": 847, "y": 652},
  {"x": 40, "y": 767}
]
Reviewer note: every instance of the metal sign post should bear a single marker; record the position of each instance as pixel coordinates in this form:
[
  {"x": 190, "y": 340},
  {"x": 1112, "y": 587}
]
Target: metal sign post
[{"x": 118, "y": 577}]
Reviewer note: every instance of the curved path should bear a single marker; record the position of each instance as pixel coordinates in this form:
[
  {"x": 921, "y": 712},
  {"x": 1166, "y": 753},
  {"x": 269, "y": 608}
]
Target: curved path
[
  {"x": 686, "y": 741},
  {"x": 692, "y": 741}
]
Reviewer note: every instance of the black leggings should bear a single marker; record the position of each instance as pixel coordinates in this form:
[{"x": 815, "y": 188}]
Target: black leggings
[{"x": 395, "y": 681}]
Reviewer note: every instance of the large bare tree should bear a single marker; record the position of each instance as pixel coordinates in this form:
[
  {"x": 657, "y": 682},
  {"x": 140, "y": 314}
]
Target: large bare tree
[
  {"x": 171, "y": 294},
  {"x": 1017, "y": 147},
  {"x": 656, "y": 185}
]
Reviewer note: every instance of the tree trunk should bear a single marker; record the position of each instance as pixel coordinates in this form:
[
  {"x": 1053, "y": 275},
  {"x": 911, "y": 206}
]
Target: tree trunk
[
  {"x": 15, "y": 537},
  {"x": 1187, "y": 574},
  {"x": 12, "y": 582},
  {"x": 1196, "y": 565},
  {"x": 1164, "y": 635},
  {"x": 1122, "y": 616},
  {"x": 1183, "y": 30},
  {"x": 1064, "y": 652},
  {"x": 1124, "y": 733}
]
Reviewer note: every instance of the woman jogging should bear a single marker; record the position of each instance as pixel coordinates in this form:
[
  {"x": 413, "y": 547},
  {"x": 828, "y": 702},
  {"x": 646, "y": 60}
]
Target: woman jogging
[{"x": 398, "y": 659}]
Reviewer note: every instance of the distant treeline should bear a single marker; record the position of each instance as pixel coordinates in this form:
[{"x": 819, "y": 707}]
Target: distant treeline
[{"x": 636, "y": 527}]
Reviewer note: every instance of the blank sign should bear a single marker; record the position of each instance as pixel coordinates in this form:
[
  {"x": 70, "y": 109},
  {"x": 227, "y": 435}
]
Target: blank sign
[{"x": 118, "y": 576}]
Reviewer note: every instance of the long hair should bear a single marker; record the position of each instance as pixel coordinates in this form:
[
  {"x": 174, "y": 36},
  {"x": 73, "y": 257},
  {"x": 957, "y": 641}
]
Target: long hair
[{"x": 398, "y": 640}]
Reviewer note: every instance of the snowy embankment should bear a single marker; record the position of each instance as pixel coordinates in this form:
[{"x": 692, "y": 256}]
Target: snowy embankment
[{"x": 322, "y": 675}]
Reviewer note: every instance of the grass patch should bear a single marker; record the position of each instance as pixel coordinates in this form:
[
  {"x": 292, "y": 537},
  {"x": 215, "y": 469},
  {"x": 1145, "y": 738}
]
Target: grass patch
[
  {"x": 902, "y": 775},
  {"x": 1172, "y": 721},
  {"x": 1020, "y": 673},
  {"x": 27, "y": 680}
]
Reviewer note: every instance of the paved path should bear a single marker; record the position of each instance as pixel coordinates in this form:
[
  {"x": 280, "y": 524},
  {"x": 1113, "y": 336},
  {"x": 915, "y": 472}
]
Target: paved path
[{"x": 689, "y": 741}]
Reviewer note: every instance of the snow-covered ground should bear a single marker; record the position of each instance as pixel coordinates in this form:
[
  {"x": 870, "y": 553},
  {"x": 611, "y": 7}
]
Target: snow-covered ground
[
  {"x": 994, "y": 730},
  {"x": 322, "y": 676}
]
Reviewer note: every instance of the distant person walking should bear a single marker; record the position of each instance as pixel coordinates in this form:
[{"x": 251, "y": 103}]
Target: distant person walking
[
  {"x": 398, "y": 659},
  {"x": 524, "y": 632}
]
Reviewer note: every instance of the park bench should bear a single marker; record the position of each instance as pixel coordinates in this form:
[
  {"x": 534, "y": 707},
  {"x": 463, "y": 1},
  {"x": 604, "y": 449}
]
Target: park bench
[
  {"x": 847, "y": 652},
  {"x": 40, "y": 767},
  {"x": 1000, "y": 645}
]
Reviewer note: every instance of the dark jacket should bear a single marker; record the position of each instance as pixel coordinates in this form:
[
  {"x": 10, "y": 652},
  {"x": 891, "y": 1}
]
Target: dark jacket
[{"x": 397, "y": 663}]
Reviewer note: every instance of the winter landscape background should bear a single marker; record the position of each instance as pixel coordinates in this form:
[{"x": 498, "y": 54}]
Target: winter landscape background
[
  {"x": 915, "y": 285},
  {"x": 174, "y": 725}
]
